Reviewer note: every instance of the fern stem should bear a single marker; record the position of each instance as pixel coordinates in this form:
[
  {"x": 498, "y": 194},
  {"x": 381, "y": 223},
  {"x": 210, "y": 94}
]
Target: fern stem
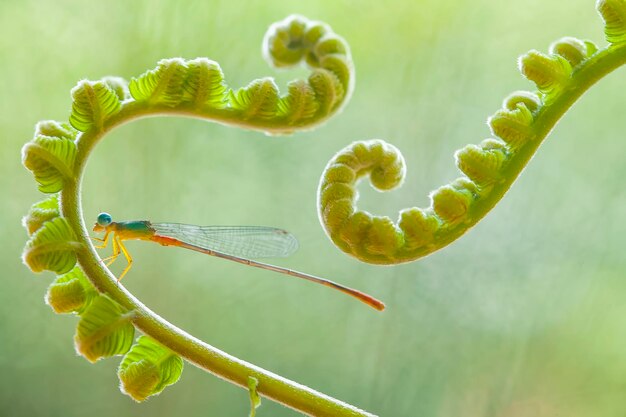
[{"x": 203, "y": 355}]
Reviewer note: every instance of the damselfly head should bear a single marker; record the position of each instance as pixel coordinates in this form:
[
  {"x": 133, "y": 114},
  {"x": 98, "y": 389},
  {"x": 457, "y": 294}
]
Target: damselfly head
[{"x": 103, "y": 220}]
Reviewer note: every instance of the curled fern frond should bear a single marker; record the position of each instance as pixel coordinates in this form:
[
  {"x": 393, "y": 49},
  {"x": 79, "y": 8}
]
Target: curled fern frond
[
  {"x": 419, "y": 226},
  {"x": 614, "y": 14},
  {"x": 296, "y": 38},
  {"x": 162, "y": 85},
  {"x": 573, "y": 50},
  {"x": 50, "y": 155},
  {"x": 489, "y": 169},
  {"x": 94, "y": 103},
  {"x": 52, "y": 247},
  {"x": 40, "y": 213},
  {"x": 204, "y": 85},
  {"x": 289, "y": 42},
  {"x": 299, "y": 104},
  {"x": 286, "y": 43},
  {"x": 530, "y": 100},
  {"x": 513, "y": 126},
  {"x": 482, "y": 163},
  {"x": 356, "y": 232},
  {"x": 548, "y": 72},
  {"x": 259, "y": 99},
  {"x": 452, "y": 202},
  {"x": 328, "y": 90},
  {"x": 148, "y": 368},
  {"x": 104, "y": 330},
  {"x": 70, "y": 293}
]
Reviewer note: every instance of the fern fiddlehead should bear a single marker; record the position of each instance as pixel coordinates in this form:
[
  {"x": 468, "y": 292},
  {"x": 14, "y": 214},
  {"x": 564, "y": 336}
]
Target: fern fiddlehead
[
  {"x": 570, "y": 68},
  {"x": 109, "y": 315}
]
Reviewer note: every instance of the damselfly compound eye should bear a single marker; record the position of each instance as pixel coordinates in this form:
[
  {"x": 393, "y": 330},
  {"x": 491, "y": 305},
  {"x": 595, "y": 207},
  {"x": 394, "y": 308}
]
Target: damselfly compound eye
[{"x": 104, "y": 219}]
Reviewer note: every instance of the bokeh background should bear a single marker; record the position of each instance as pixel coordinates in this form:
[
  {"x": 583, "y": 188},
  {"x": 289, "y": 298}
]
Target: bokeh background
[{"x": 523, "y": 316}]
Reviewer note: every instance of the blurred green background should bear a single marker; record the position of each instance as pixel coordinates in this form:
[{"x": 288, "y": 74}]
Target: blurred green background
[{"x": 523, "y": 316}]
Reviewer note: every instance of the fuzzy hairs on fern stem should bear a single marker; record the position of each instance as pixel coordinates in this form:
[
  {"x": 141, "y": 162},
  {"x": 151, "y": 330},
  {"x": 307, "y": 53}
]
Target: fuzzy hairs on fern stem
[
  {"x": 57, "y": 156},
  {"x": 488, "y": 169}
]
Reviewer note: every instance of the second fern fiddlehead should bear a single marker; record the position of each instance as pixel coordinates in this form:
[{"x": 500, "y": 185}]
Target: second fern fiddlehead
[
  {"x": 109, "y": 315},
  {"x": 489, "y": 168}
]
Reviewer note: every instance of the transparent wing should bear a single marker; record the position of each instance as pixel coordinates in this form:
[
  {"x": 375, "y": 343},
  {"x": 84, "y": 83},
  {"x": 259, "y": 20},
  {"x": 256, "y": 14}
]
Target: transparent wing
[{"x": 242, "y": 241}]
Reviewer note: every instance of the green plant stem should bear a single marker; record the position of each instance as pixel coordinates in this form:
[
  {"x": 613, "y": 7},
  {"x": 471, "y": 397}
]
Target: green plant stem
[{"x": 203, "y": 355}]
